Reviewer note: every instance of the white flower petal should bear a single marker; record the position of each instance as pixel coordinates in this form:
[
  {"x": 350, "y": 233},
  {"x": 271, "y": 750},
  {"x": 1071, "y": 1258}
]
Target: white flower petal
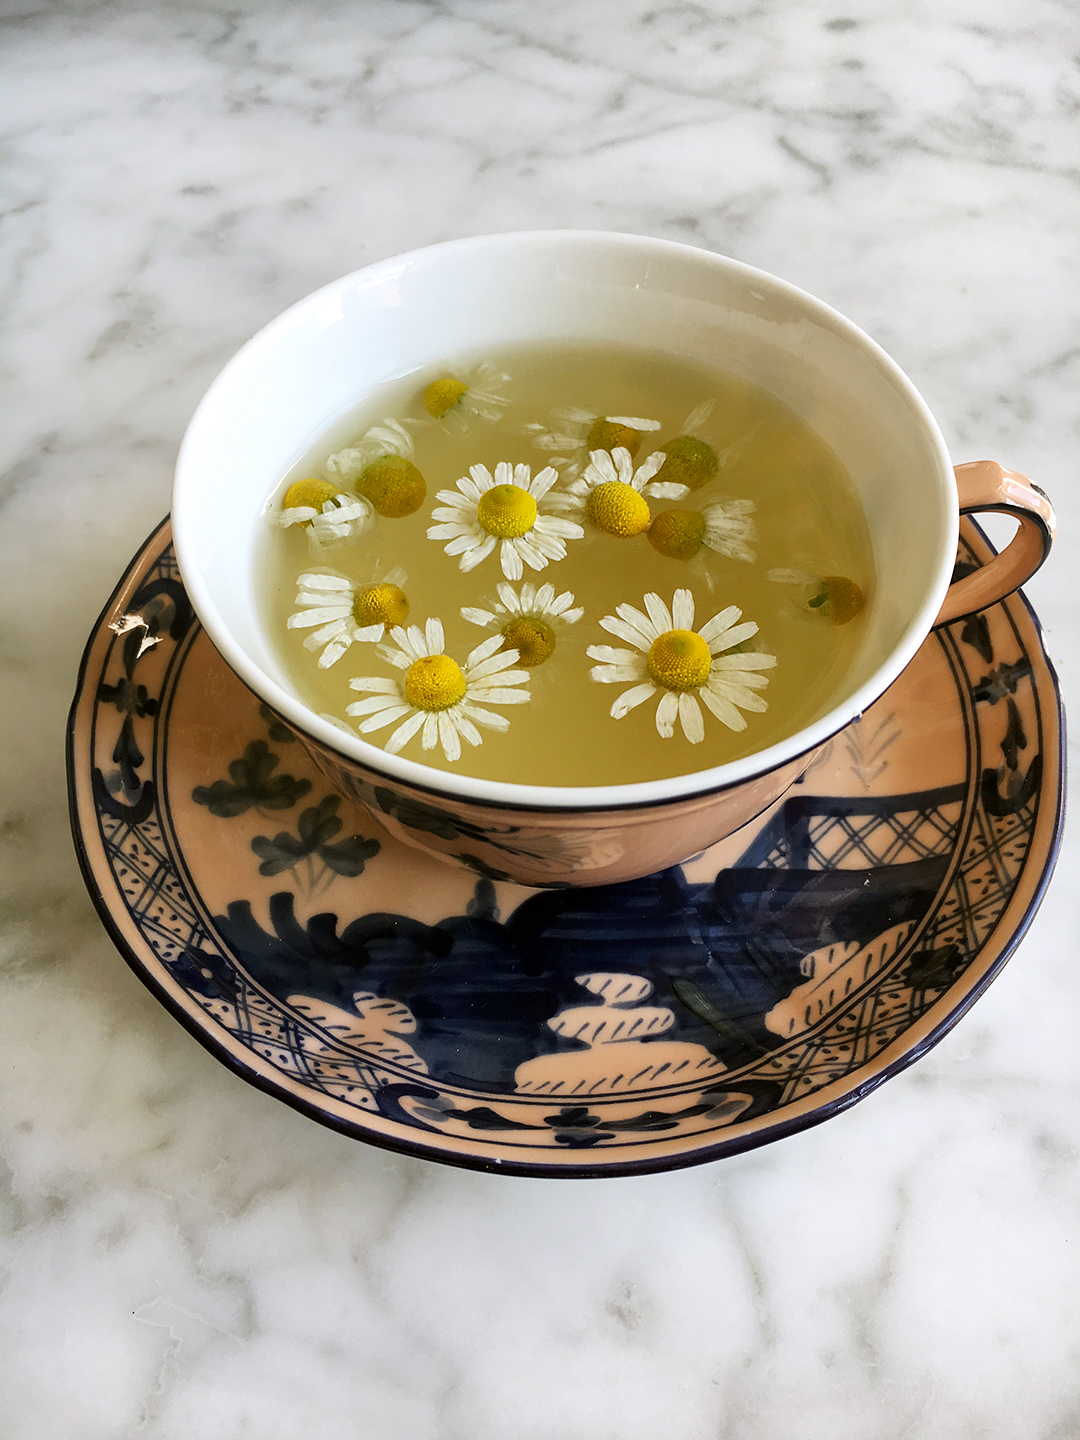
[
  {"x": 614, "y": 674},
  {"x": 371, "y": 705},
  {"x": 490, "y": 719},
  {"x": 322, "y": 615},
  {"x": 323, "y": 580},
  {"x": 552, "y": 525},
  {"x": 482, "y": 477},
  {"x": 693, "y": 725},
  {"x": 510, "y": 560},
  {"x": 448, "y": 737},
  {"x": 383, "y": 718},
  {"x": 609, "y": 655},
  {"x": 476, "y": 556},
  {"x": 632, "y": 634},
  {"x": 682, "y": 610},
  {"x": 648, "y": 468},
  {"x": 404, "y": 733},
  {"x": 383, "y": 684},
  {"x": 634, "y": 421},
  {"x": 434, "y": 636},
  {"x": 722, "y": 708},
  {"x": 333, "y": 652},
  {"x": 477, "y": 617},
  {"x": 734, "y": 636},
  {"x": 659, "y": 613},
  {"x": 485, "y": 659},
  {"x": 666, "y": 713},
  {"x": 601, "y": 470},
  {"x": 536, "y": 555},
  {"x": 666, "y": 490},
  {"x": 698, "y": 416},
  {"x": 329, "y": 632},
  {"x": 542, "y": 483},
  {"x": 466, "y": 729},
  {"x": 719, "y": 623},
  {"x": 505, "y": 697},
  {"x": 750, "y": 660},
  {"x": 630, "y": 699}
]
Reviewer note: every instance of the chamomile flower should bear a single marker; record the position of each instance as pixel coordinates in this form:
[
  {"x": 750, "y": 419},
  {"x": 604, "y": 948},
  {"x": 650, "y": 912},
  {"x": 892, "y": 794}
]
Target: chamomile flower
[
  {"x": 380, "y": 466},
  {"x": 683, "y": 664},
  {"x": 346, "y": 612},
  {"x": 828, "y": 597},
  {"x": 726, "y": 527},
  {"x": 457, "y": 397},
  {"x": 527, "y": 620},
  {"x": 327, "y": 513},
  {"x": 690, "y": 459},
  {"x": 611, "y": 493},
  {"x": 389, "y": 437},
  {"x": 435, "y": 695},
  {"x": 502, "y": 509},
  {"x": 572, "y": 434}
]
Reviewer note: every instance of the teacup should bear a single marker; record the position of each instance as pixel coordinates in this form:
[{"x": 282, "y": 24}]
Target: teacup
[{"x": 309, "y": 367}]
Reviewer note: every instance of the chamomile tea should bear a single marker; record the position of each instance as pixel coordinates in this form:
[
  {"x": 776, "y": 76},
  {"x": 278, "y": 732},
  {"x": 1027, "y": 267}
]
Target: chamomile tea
[{"x": 568, "y": 565}]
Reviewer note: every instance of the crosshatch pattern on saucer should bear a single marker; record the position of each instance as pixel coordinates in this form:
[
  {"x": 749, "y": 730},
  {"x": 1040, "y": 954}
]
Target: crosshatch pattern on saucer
[{"x": 711, "y": 1007}]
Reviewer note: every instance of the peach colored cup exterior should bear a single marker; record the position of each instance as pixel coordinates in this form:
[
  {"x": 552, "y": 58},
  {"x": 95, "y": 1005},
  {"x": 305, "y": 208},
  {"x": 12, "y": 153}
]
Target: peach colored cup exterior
[{"x": 307, "y": 369}]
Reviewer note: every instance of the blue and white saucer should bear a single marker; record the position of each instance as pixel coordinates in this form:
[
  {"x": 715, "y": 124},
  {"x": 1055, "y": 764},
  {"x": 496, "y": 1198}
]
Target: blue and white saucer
[{"x": 755, "y": 991}]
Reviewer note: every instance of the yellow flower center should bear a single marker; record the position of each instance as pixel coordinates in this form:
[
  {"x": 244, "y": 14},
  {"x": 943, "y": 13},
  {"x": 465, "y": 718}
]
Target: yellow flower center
[
  {"x": 607, "y": 435},
  {"x": 442, "y": 395},
  {"x": 677, "y": 533},
  {"x": 679, "y": 660},
  {"x": 507, "y": 511},
  {"x": 434, "y": 683},
  {"x": 531, "y": 637},
  {"x": 309, "y": 492},
  {"x": 618, "y": 509},
  {"x": 394, "y": 486},
  {"x": 839, "y": 598},
  {"x": 690, "y": 462},
  {"x": 380, "y": 605}
]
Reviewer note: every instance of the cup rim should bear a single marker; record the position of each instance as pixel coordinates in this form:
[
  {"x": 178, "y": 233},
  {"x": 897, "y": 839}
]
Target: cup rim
[{"x": 458, "y": 786}]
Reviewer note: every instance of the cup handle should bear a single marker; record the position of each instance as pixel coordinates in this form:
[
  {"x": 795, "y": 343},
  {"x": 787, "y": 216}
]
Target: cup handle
[{"x": 984, "y": 485}]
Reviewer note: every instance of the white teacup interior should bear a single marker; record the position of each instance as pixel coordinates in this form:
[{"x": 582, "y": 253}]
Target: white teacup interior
[{"x": 309, "y": 368}]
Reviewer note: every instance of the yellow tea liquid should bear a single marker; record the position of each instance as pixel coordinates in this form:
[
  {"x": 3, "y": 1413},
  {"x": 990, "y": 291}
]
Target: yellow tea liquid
[{"x": 808, "y": 520}]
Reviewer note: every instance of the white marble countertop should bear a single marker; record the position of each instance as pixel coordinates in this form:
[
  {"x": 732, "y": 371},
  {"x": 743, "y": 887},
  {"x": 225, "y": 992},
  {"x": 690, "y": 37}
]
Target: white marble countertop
[{"x": 181, "y": 1256}]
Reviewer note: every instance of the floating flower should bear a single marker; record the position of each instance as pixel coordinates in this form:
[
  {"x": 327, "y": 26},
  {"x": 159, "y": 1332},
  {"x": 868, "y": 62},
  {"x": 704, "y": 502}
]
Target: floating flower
[
  {"x": 380, "y": 466},
  {"x": 389, "y": 437},
  {"x": 502, "y": 509},
  {"x": 685, "y": 664},
  {"x": 829, "y": 597},
  {"x": 435, "y": 695},
  {"x": 460, "y": 396},
  {"x": 327, "y": 513},
  {"x": 393, "y": 486},
  {"x": 346, "y": 612},
  {"x": 689, "y": 459},
  {"x": 612, "y": 494},
  {"x": 579, "y": 432},
  {"x": 725, "y": 527},
  {"x": 527, "y": 621}
]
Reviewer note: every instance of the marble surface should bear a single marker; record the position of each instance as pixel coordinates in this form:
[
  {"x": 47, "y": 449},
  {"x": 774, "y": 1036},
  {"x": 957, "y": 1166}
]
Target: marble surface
[{"x": 181, "y": 1256}]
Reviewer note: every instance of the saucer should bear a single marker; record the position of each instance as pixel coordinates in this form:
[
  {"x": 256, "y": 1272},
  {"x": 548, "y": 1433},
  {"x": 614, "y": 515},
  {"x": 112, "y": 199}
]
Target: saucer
[{"x": 758, "y": 989}]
